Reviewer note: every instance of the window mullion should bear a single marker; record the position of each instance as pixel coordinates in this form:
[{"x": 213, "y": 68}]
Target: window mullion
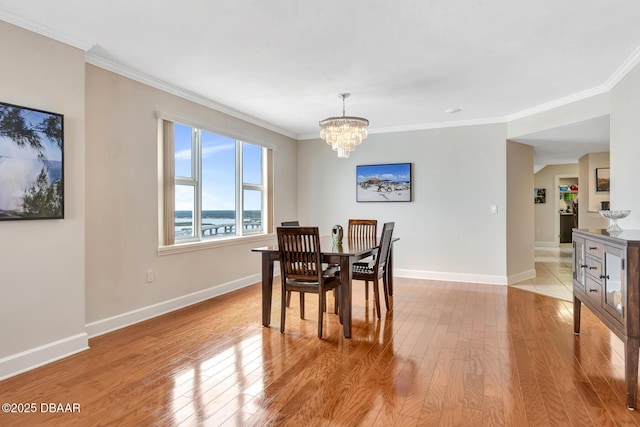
[
  {"x": 265, "y": 211},
  {"x": 197, "y": 171},
  {"x": 239, "y": 190}
]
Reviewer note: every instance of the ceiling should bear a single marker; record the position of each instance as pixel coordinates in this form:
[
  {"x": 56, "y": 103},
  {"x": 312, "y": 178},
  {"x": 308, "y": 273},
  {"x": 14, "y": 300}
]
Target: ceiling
[
  {"x": 282, "y": 63},
  {"x": 566, "y": 144}
]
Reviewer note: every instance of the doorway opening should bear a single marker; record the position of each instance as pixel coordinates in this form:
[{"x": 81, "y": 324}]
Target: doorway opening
[{"x": 566, "y": 206}]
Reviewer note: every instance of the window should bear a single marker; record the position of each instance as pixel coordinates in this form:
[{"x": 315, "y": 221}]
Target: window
[{"x": 215, "y": 186}]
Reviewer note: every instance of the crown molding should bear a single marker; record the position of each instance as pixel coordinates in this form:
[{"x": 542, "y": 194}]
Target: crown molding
[
  {"x": 138, "y": 76},
  {"x": 440, "y": 125},
  {"x": 624, "y": 69},
  {"x": 560, "y": 102},
  {"x": 117, "y": 68},
  {"x": 38, "y": 28},
  {"x": 426, "y": 126}
]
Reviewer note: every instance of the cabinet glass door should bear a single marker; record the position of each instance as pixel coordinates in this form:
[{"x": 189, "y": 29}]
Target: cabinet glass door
[
  {"x": 578, "y": 262},
  {"x": 613, "y": 276}
]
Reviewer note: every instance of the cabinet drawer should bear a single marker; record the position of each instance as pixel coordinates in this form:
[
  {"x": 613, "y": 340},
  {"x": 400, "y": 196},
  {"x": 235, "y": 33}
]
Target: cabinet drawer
[
  {"x": 593, "y": 290},
  {"x": 593, "y": 267},
  {"x": 595, "y": 249}
]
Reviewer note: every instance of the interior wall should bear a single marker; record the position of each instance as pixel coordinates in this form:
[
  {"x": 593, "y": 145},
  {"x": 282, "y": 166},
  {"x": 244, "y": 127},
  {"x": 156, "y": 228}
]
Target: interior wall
[
  {"x": 596, "y": 161},
  {"x": 546, "y": 214},
  {"x": 448, "y": 232},
  {"x": 122, "y": 202},
  {"x": 520, "y": 214},
  {"x": 625, "y": 148},
  {"x": 42, "y": 261},
  {"x": 588, "y": 198}
]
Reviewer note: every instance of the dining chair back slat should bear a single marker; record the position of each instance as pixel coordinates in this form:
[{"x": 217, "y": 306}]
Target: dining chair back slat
[{"x": 362, "y": 229}]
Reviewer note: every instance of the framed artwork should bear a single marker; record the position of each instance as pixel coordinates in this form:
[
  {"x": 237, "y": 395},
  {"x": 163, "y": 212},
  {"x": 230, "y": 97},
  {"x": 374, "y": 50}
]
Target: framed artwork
[
  {"x": 539, "y": 195},
  {"x": 31, "y": 163},
  {"x": 602, "y": 179},
  {"x": 384, "y": 183}
]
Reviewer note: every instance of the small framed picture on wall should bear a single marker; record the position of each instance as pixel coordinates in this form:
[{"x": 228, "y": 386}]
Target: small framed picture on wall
[
  {"x": 539, "y": 195},
  {"x": 384, "y": 183},
  {"x": 602, "y": 179}
]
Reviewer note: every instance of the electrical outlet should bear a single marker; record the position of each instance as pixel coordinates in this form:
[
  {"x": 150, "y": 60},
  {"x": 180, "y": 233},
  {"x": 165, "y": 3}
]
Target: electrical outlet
[{"x": 150, "y": 276}]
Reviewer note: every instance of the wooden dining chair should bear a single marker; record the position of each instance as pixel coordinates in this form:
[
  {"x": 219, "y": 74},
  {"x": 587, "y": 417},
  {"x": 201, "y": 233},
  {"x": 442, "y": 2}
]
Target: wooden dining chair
[
  {"x": 325, "y": 266},
  {"x": 301, "y": 269},
  {"x": 290, "y": 224},
  {"x": 376, "y": 269},
  {"x": 361, "y": 230}
]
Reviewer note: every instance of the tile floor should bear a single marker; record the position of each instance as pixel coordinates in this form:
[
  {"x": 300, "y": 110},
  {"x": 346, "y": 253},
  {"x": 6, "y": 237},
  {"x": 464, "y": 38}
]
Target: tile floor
[{"x": 553, "y": 273}]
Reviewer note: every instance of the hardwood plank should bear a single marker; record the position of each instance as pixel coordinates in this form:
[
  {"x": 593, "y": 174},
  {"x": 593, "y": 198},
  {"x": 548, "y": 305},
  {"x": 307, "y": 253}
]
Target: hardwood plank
[{"x": 447, "y": 354}]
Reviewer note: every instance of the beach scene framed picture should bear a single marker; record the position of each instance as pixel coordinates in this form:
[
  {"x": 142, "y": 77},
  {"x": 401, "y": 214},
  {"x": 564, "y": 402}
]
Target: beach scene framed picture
[
  {"x": 384, "y": 183},
  {"x": 31, "y": 163}
]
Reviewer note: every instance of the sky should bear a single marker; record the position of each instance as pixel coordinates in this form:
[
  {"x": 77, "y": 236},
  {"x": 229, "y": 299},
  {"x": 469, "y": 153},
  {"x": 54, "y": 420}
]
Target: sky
[
  {"x": 9, "y": 148},
  {"x": 399, "y": 172},
  {"x": 218, "y": 171}
]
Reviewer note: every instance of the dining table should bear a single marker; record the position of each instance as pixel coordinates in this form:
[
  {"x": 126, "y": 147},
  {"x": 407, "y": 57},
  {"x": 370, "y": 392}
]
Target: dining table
[{"x": 343, "y": 254}]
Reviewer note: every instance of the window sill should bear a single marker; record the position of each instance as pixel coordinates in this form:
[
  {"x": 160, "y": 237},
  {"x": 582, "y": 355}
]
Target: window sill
[{"x": 180, "y": 248}]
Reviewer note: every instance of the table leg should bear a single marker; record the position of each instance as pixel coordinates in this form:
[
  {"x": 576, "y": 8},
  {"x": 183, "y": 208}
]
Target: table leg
[
  {"x": 345, "y": 294},
  {"x": 631, "y": 347},
  {"x": 577, "y": 305},
  {"x": 267, "y": 287}
]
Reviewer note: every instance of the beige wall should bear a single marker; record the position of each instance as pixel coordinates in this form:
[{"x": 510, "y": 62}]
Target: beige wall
[
  {"x": 588, "y": 199},
  {"x": 122, "y": 204},
  {"x": 42, "y": 261},
  {"x": 546, "y": 214},
  {"x": 625, "y": 147},
  {"x": 520, "y": 216},
  {"x": 448, "y": 232}
]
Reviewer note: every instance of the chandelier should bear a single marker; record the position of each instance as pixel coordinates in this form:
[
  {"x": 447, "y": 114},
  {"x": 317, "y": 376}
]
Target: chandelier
[{"x": 343, "y": 133}]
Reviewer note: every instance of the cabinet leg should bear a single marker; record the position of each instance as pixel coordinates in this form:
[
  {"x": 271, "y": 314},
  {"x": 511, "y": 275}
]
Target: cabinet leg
[
  {"x": 577, "y": 305},
  {"x": 631, "y": 347}
]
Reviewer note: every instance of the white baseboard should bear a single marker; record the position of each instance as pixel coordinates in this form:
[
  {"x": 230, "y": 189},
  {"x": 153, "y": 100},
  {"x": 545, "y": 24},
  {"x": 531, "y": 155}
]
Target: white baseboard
[
  {"x": 35, "y": 357},
  {"x": 451, "y": 277},
  {"x": 525, "y": 275},
  {"x": 110, "y": 324}
]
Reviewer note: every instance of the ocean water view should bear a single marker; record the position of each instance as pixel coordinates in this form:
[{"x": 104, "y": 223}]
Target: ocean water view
[{"x": 216, "y": 222}]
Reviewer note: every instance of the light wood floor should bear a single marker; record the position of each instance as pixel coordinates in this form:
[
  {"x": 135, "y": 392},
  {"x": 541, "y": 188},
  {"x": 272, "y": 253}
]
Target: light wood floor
[{"x": 448, "y": 354}]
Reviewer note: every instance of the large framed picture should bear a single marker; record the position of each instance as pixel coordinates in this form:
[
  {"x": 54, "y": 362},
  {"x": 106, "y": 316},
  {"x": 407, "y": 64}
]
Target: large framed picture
[
  {"x": 384, "y": 183},
  {"x": 31, "y": 163}
]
